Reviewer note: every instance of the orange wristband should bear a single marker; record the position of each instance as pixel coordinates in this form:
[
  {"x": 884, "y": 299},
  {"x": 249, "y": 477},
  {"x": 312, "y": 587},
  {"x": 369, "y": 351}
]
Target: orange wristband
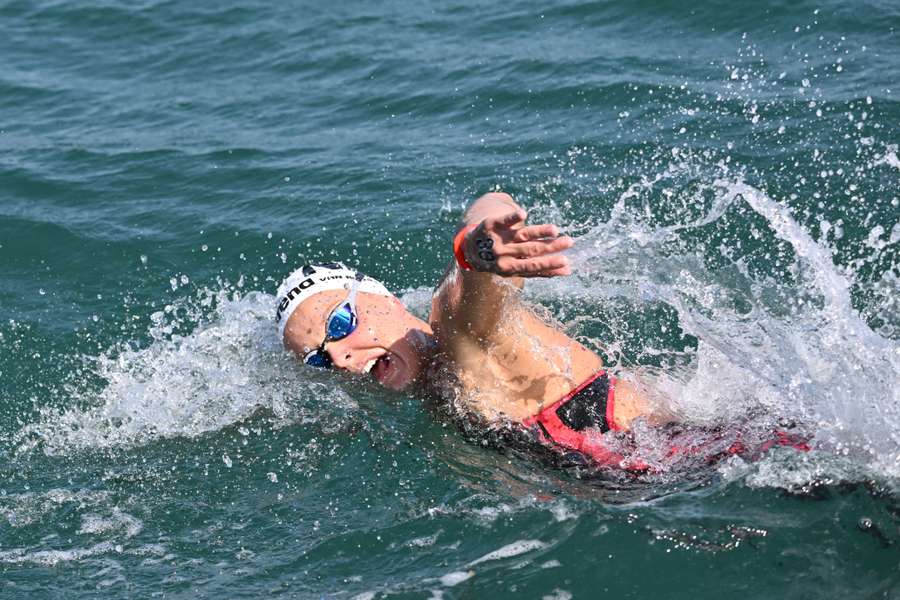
[{"x": 458, "y": 247}]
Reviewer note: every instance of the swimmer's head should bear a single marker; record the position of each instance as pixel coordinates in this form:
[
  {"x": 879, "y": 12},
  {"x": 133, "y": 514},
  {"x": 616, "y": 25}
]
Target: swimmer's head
[
  {"x": 310, "y": 280},
  {"x": 386, "y": 341}
]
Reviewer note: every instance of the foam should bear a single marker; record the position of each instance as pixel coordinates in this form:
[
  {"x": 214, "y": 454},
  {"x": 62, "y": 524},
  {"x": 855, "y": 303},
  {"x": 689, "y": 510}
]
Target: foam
[
  {"x": 456, "y": 577},
  {"x": 225, "y": 367},
  {"x": 49, "y": 558},
  {"x": 28, "y": 508},
  {"x": 93, "y": 524},
  {"x": 514, "y": 549},
  {"x": 107, "y": 525}
]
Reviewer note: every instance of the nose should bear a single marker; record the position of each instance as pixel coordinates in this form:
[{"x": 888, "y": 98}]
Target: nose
[{"x": 341, "y": 356}]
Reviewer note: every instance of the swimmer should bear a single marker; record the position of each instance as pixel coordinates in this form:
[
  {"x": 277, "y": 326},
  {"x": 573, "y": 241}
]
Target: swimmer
[{"x": 483, "y": 350}]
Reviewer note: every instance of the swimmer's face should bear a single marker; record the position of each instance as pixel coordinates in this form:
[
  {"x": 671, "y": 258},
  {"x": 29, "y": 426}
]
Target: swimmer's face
[{"x": 389, "y": 344}]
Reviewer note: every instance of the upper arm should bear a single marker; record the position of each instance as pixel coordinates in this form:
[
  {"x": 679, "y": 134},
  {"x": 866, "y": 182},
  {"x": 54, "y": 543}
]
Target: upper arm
[
  {"x": 469, "y": 302},
  {"x": 478, "y": 313}
]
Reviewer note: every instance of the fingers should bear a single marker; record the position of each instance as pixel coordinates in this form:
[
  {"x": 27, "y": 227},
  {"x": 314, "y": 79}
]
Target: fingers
[
  {"x": 506, "y": 221},
  {"x": 536, "y": 232},
  {"x": 561, "y": 272},
  {"x": 503, "y": 245},
  {"x": 544, "y": 266},
  {"x": 540, "y": 248}
]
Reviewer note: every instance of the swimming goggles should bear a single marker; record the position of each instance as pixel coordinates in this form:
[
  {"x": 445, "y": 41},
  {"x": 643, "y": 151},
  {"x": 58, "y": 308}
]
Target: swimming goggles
[{"x": 341, "y": 322}]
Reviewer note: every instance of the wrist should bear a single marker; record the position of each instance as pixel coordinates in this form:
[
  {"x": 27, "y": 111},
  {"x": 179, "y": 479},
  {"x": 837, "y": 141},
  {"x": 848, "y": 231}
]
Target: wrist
[{"x": 459, "y": 247}]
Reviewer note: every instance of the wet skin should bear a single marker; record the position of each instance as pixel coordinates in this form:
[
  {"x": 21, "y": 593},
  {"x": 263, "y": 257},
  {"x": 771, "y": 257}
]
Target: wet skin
[
  {"x": 508, "y": 362},
  {"x": 387, "y": 334}
]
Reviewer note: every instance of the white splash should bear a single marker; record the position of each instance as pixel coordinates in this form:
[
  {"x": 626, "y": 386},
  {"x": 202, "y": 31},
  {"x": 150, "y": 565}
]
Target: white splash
[
  {"x": 218, "y": 373},
  {"x": 795, "y": 350}
]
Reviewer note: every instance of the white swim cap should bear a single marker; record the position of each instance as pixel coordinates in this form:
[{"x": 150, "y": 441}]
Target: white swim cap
[{"x": 309, "y": 280}]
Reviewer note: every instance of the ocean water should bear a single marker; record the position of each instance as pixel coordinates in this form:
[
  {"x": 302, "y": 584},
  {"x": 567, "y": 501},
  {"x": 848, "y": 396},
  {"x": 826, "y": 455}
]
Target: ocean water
[{"x": 729, "y": 171}]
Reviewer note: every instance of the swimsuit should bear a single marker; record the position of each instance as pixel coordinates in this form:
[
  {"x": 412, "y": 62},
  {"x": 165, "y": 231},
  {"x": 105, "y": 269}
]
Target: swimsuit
[{"x": 577, "y": 422}]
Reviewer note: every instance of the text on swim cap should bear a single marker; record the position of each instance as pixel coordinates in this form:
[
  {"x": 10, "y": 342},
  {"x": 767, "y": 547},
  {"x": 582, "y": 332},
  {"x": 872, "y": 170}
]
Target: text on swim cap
[{"x": 305, "y": 284}]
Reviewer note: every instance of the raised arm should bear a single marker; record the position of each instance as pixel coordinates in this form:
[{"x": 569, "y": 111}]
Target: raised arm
[{"x": 500, "y": 251}]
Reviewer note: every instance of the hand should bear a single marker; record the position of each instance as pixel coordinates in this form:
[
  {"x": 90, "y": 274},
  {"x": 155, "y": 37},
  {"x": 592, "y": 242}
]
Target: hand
[{"x": 505, "y": 246}]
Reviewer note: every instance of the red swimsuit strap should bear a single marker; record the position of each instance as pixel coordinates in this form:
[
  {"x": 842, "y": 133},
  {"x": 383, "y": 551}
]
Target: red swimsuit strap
[
  {"x": 610, "y": 403},
  {"x": 551, "y": 430},
  {"x": 589, "y": 442}
]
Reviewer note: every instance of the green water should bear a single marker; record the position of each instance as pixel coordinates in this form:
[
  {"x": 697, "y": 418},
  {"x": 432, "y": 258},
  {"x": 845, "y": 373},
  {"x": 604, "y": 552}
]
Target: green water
[{"x": 729, "y": 171}]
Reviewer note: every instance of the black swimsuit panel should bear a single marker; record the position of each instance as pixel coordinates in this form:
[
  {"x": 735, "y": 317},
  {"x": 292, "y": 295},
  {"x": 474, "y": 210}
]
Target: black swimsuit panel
[{"x": 587, "y": 408}]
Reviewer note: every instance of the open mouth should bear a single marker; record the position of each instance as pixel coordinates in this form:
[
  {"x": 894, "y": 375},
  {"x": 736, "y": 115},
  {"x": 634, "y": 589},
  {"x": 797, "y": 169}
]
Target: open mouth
[
  {"x": 386, "y": 369},
  {"x": 382, "y": 368},
  {"x": 370, "y": 366}
]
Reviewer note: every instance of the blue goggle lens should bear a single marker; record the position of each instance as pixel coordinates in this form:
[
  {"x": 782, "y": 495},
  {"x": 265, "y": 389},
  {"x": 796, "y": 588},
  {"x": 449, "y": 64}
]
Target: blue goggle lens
[
  {"x": 341, "y": 323},
  {"x": 318, "y": 359}
]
